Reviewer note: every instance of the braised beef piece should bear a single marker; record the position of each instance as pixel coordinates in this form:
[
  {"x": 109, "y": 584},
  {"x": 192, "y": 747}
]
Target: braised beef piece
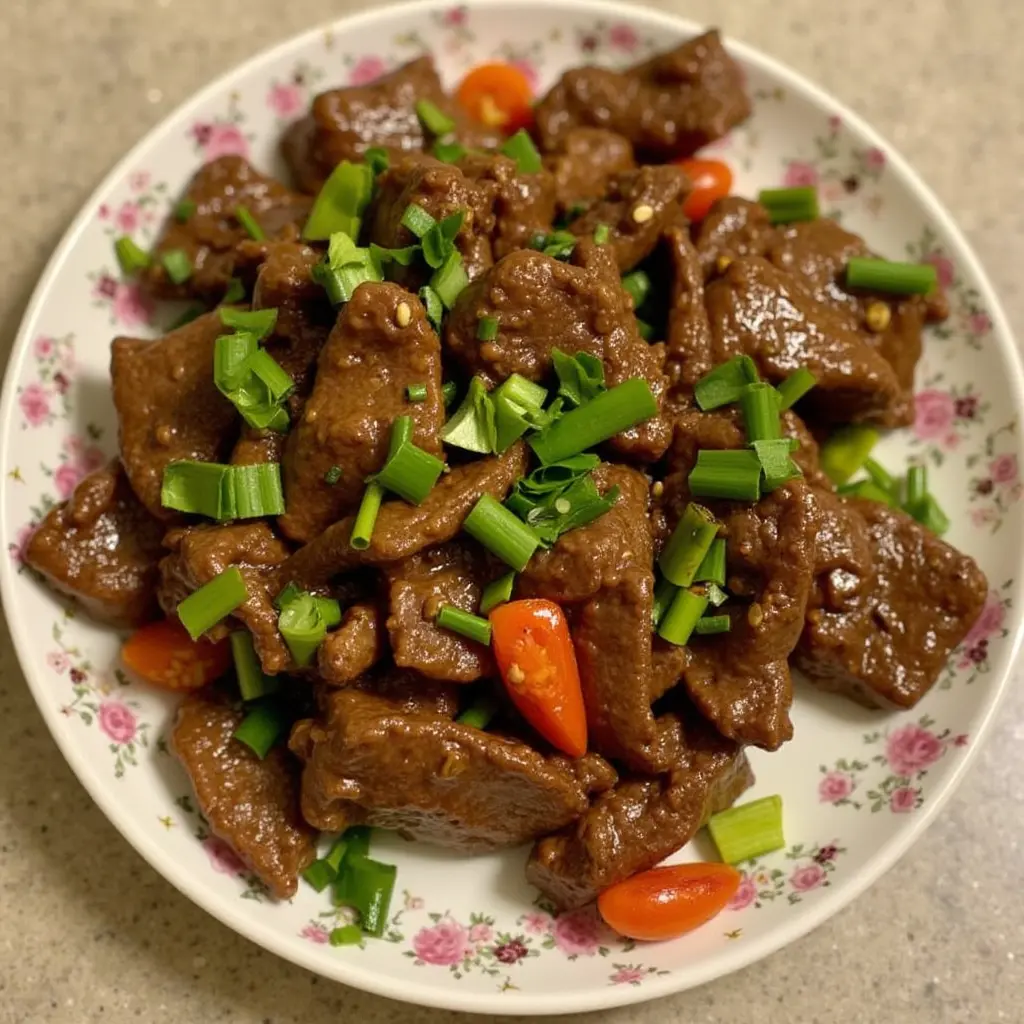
[
  {"x": 344, "y": 123},
  {"x": 168, "y": 407},
  {"x": 688, "y": 340},
  {"x": 252, "y": 804},
  {"x": 211, "y": 231},
  {"x": 370, "y": 359},
  {"x": 642, "y": 820},
  {"x": 890, "y": 602},
  {"x": 199, "y": 553},
  {"x": 355, "y": 646},
  {"x": 449, "y": 574},
  {"x": 668, "y": 106},
  {"x": 636, "y": 208},
  {"x": 403, "y": 529},
  {"x": 541, "y": 304},
  {"x": 586, "y": 160},
  {"x": 255, "y": 447},
  {"x": 404, "y": 689},
  {"x": 430, "y": 778},
  {"x": 733, "y": 227},
  {"x": 740, "y": 680},
  {"x": 101, "y": 547}
]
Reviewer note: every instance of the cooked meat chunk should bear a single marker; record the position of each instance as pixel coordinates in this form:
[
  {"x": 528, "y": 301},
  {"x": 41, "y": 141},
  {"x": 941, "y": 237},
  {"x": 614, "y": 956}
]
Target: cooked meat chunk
[
  {"x": 370, "y": 358},
  {"x": 890, "y": 602},
  {"x": 408, "y": 691},
  {"x": 355, "y": 646},
  {"x": 430, "y": 778},
  {"x": 403, "y": 529},
  {"x": 101, "y": 547},
  {"x": 541, "y": 304},
  {"x": 344, "y": 123},
  {"x": 734, "y": 227},
  {"x": 641, "y": 821},
  {"x": 202, "y": 552},
  {"x": 587, "y": 159},
  {"x": 667, "y": 107},
  {"x": 637, "y": 207},
  {"x": 688, "y": 340},
  {"x": 252, "y": 805},
  {"x": 255, "y": 447},
  {"x": 168, "y": 407},
  {"x": 211, "y": 231},
  {"x": 453, "y": 574}
]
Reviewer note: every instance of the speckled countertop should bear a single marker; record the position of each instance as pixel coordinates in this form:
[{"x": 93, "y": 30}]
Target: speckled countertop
[{"x": 90, "y": 933}]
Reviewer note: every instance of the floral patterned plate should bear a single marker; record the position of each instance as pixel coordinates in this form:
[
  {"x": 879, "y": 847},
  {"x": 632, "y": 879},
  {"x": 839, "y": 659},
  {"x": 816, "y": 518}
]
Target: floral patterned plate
[{"x": 859, "y": 787}]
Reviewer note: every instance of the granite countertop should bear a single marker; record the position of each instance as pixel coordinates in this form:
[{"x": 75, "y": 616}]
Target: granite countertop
[{"x": 90, "y": 933}]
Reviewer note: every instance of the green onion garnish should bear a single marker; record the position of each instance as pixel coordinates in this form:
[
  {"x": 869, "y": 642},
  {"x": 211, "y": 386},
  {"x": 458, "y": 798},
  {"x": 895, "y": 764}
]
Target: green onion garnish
[
  {"x": 501, "y": 532},
  {"x": 716, "y": 595},
  {"x": 235, "y": 292},
  {"x": 559, "y": 245},
  {"x": 303, "y": 621},
  {"x": 345, "y": 267},
  {"x": 518, "y": 407},
  {"x": 644, "y": 329},
  {"x": 520, "y": 148},
  {"x": 601, "y": 234},
  {"x": 346, "y": 935},
  {"x": 472, "y": 425},
  {"x": 410, "y": 472},
  {"x": 449, "y": 279},
  {"x": 929, "y": 514},
  {"x": 449, "y": 152},
  {"x": 497, "y": 592},
  {"x": 257, "y": 322},
  {"x": 377, "y": 159},
  {"x": 177, "y": 265},
  {"x": 249, "y": 222},
  {"x": 340, "y": 203},
  {"x": 367, "y": 886},
  {"x": 404, "y": 257},
  {"x": 131, "y": 257},
  {"x": 712, "y": 568},
  {"x": 198, "y": 488},
  {"x": 366, "y": 517},
  {"x": 776, "y": 465},
  {"x": 894, "y": 278},
  {"x": 794, "y": 387},
  {"x": 416, "y": 392},
  {"x": 664, "y": 592},
  {"x": 760, "y": 406},
  {"x": 846, "y": 450},
  {"x": 433, "y": 305},
  {"x": 580, "y": 377},
  {"x": 709, "y": 625},
  {"x": 748, "y": 831},
  {"x": 881, "y": 477},
  {"x": 725, "y": 383},
  {"x": 464, "y": 623},
  {"x": 205, "y": 607},
  {"x": 333, "y": 475},
  {"x": 620, "y": 408},
  {"x": 917, "y": 484},
  {"x": 190, "y": 314},
  {"x": 679, "y": 620},
  {"x": 690, "y": 542},
  {"x": 433, "y": 118},
  {"x": 417, "y": 220},
  {"x": 487, "y": 328},
  {"x": 320, "y": 875},
  {"x": 438, "y": 243},
  {"x": 734, "y": 474},
  {"x": 638, "y": 284},
  {"x": 256, "y": 490},
  {"x": 261, "y": 728},
  {"x": 786, "y": 205},
  {"x": 184, "y": 211},
  {"x": 252, "y": 380},
  {"x": 479, "y": 714},
  {"x": 449, "y": 389},
  {"x": 866, "y": 489},
  {"x": 253, "y": 682}
]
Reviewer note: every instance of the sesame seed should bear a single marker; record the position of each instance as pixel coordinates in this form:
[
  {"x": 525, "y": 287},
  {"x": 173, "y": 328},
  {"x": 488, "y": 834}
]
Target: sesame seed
[
  {"x": 403, "y": 314},
  {"x": 878, "y": 316},
  {"x": 723, "y": 263},
  {"x": 658, "y": 489},
  {"x": 643, "y": 213}
]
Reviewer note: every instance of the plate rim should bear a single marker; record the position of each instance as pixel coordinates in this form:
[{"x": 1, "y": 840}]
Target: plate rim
[{"x": 369, "y": 980}]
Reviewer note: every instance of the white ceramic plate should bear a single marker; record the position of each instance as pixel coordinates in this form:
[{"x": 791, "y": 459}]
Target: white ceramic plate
[{"x": 469, "y": 933}]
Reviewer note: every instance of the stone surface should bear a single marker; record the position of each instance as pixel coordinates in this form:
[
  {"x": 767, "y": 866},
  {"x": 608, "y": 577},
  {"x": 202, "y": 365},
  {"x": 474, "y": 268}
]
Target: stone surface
[{"x": 89, "y": 933}]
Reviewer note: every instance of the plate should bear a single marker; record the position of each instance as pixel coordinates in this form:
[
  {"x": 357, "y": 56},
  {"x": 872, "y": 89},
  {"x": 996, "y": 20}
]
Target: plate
[{"x": 469, "y": 934}]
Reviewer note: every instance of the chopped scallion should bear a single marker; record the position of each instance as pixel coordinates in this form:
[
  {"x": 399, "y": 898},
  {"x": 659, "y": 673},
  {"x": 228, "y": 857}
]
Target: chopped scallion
[
  {"x": 464, "y": 623},
  {"x": 734, "y": 474},
  {"x": 303, "y": 621},
  {"x": 449, "y": 152},
  {"x": 866, "y": 489},
  {"x": 449, "y": 279},
  {"x": 690, "y": 542},
  {"x": 433, "y": 118},
  {"x": 257, "y": 490},
  {"x": 520, "y": 148},
  {"x": 708, "y": 625},
  {"x": 682, "y": 615},
  {"x": 177, "y": 265},
  {"x": 638, "y": 284},
  {"x": 664, "y": 592},
  {"x": 846, "y": 450},
  {"x": 184, "y": 211},
  {"x": 724, "y": 384},
  {"x": 261, "y": 728},
  {"x": 881, "y": 477},
  {"x": 333, "y": 475},
  {"x": 776, "y": 465},
  {"x": 367, "y": 885},
  {"x": 346, "y": 935},
  {"x": 712, "y": 569},
  {"x": 253, "y": 682},
  {"x": 472, "y": 425},
  {"x": 205, "y": 607},
  {"x": 794, "y": 387},
  {"x": 448, "y": 392},
  {"x": 131, "y": 257},
  {"x": 416, "y": 392},
  {"x": 417, "y": 220},
  {"x": 366, "y": 517},
  {"x": 497, "y": 592},
  {"x": 786, "y": 205},
  {"x": 479, "y": 714},
  {"x": 580, "y": 376},
  {"x": 258, "y": 322},
  {"x": 340, "y": 203},
  {"x": 501, "y": 532},
  {"x": 759, "y": 403},
  {"x": 198, "y": 488},
  {"x": 249, "y": 222},
  {"x": 487, "y": 328},
  {"x": 235, "y": 292},
  {"x": 410, "y": 472},
  {"x": 929, "y": 514},
  {"x": 748, "y": 831},
  {"x": 377, "y": 159},
  {"x": 601, "y": 234},
  {"x": 892, "y": 278},
  {"x": 917, "y": 483}
]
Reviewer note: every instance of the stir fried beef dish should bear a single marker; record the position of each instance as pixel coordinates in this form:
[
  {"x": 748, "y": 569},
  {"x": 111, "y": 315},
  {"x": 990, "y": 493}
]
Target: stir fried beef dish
[{"x": 503, "y": 471}]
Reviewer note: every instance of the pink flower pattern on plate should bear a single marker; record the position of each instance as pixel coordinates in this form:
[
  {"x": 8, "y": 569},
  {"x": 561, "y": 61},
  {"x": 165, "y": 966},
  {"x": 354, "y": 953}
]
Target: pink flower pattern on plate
[
  {"x": 223, "y": 858},
  {"x": 903, "y": 799},
  {"x": 744, "y": 895},
  {"x": 1003, "y": 468},
  {"x": 132, "y": 306},
  {"x": 912, "y": 749},
  {"x": 222, "y": 138},
  {"x": 316, "y": 933},
  {"x": 944, "y": 268},
  {"x": 285, "y": 99},
  {"x": 578, "y": 932},
  {"x": 934, "y": 412},
  {"x": 628, "y": 976},
  {"x": 807, "y": 877},
  {"x": 58, "y": 661},
  {"x": 799, "y": 173},
  {"x": 446, "y": 943},
  {"x": 835, "y": 786},
  {"x": 117, "y": 720},
  {"x": 623, "y": 37},
  {"x": 34, "y": 403},
  {"x": 366, "y": 69}
]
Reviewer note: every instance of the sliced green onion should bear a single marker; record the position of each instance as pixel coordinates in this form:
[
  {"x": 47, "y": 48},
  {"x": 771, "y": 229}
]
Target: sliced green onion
[
  {"x": 257, "y": 322},
  {"x": 712, "y": 569},
  {"x": 438, "y": 243},
  {"x": 205, "y": 607},
  {"x": 184, "y": 210},
  {"x": 559, "y": 245},
  {"x": 690, "y": 542},
  {"x": 776, "y": 465},
  {"x": 416, "y": 392},
  {"x": 760, "y": 407},
  {"x": 472, "y": 425},
  {"x": 304, "y": 620},
  {"x": 664, "y": 592},
  {"x": 748, "y": 831},
  {"x": 501, "y": 532},
  {"x": 235, "y": 292},
  {"x": 417, "y": 220},
  {"x": 261, "y": 728},
  {"x": 846, "y": 451},
  {"x": 377, "y": 159},
  {"x": 230, "y": 353},
  {"x": 893, "y": 278},
  {"x": 497, "y": 592},
  {"x": 580, "y": 377},
  {"x": 726, "y": 383},
  {"x": 645, "y": 330},
  {"x": 177, "y": 265},
  {"x": 708, "y": 625},
  {"x": 479, "y": 714},
  {"x": 346, "y": 935},
  {"x": 928, "y": 512},
  {"x": 518, "y": 407},
  {"x": 340, "y": 203},
  {"x": 866, "y": 489},
  {"x": 601, "y": 234},
  {"x": 198, "y": 488},
  {"x": 449, "y": 152},
  {"x": 786, "y": 205},
  {"x": 449, "y": 389},
  {"x": 433, "y": 118},
  {"x": 576, "y": 506},
  {"x": 794, "y": 387},
  {"x": 603, "y": 417},
  {"x": 190, "y": 314},
  {"x": 678, "y": 622},
  {"x": 917, "y": 483},
  {"x": 366, "y": 517},
  {"x": 130, "y": 256},
  {"x": 332, "y": 476},
  {"x": 253, "y": 682},
  {"x": 520, "y": 148},
  {"x": 449, "y": 279},
  {"x": 410, "y": 472},
  {"x": 464, "y": 623},
  {"x": 638, "y": 284},
  {"x": 404, "y": 257},
  {"x": 433, "y": 305},
  {"x": 257, "y": 490},
  {"x": 249, "y": 222},
  {"x": 715, "y": 594},
  {"x": 516, "y": 388},
  {"x": 320, "y": 875},
  {"x": 367, "y": 885},
  {"x": 880, "y": 476},
  {"x": 726, "y": 474},
  {"x": 487, "y": 328}
]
